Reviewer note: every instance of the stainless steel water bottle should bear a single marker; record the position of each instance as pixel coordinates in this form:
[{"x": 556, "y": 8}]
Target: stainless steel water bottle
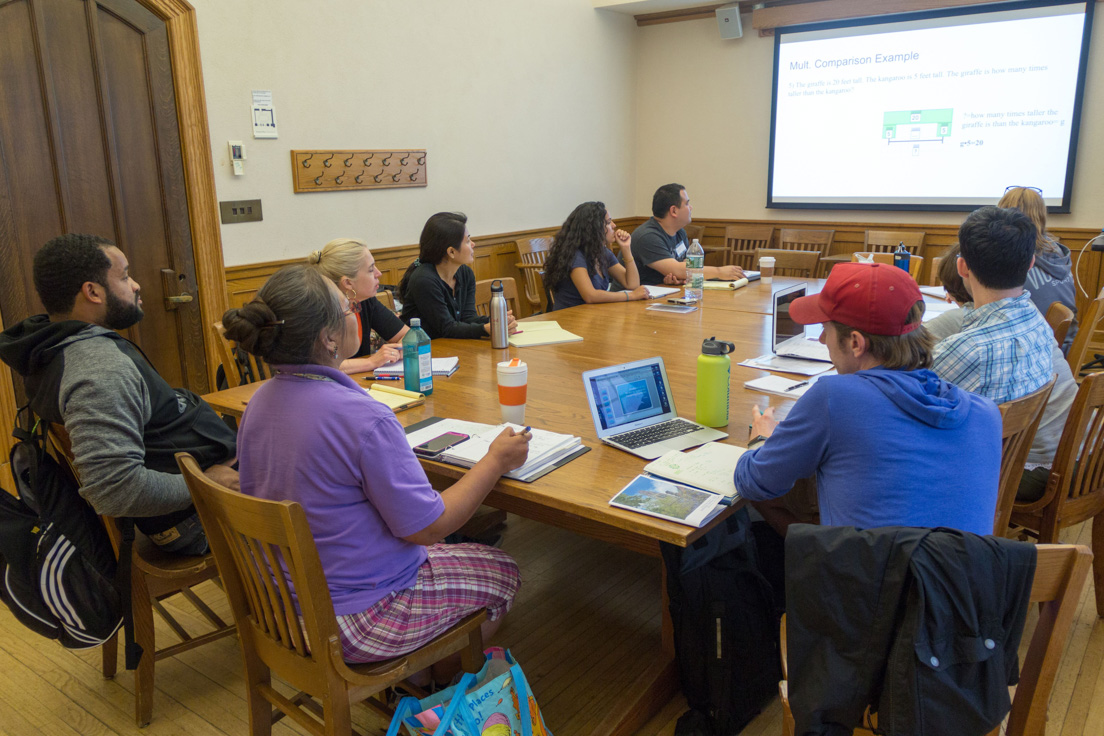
[{"x": 500, "y": 332}]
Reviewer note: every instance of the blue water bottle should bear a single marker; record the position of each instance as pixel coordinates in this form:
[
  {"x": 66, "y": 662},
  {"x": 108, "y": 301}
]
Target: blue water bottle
[
  {"x": 417, "y": 359},
  {"x": 902, "y": 257}
]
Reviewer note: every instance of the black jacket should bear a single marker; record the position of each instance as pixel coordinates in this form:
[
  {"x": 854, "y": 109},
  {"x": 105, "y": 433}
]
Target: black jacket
[{"x": 921, "y": 624}]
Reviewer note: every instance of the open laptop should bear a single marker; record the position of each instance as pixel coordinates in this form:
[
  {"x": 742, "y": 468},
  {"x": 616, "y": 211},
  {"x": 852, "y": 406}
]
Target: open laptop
[
  {"x": 634, "y": 411},
  {"x": 789, "y": 339}
]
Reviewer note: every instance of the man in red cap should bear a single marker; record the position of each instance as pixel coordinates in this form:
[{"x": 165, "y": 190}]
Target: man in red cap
[{"x": 881, "y": 436}]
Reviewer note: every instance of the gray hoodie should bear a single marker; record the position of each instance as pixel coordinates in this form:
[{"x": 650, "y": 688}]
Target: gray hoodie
[{"x": 1051, "y": 280}]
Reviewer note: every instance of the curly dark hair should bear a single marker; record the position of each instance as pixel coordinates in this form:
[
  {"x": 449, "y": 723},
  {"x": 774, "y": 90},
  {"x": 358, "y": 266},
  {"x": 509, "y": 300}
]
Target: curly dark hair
[
  {"x": 584, "y": 231},
  {"x": 64, "y": 265}
]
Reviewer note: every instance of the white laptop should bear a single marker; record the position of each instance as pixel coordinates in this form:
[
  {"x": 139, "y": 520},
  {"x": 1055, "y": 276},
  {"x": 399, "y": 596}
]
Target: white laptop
[
  {"x": 790, "y": 339},
  {"x": 634, "y": 411}
]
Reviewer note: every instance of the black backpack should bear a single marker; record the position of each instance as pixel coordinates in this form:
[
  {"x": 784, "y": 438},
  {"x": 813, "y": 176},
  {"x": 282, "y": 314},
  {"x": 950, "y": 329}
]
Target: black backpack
[
  {"x": 58, "y": 573},
  {"x": 725, "y": 629}
]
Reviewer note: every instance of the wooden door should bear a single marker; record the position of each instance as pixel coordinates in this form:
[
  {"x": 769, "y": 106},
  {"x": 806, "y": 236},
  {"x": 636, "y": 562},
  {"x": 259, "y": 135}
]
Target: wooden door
[{"x": 89, "y": 142}]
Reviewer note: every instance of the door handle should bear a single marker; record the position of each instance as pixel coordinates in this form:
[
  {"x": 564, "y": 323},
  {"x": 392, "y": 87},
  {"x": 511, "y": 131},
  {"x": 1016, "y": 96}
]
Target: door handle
[
  {"x": 182, "y": 299},
  {"x": 172, "y": 283}
]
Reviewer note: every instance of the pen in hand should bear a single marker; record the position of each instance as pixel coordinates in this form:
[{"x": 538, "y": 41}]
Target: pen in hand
[{"x": 796, "y": 386}]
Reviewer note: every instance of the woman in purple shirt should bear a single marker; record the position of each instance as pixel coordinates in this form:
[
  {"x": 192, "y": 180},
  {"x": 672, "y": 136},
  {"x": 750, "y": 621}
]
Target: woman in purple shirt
[{"x": 314, "y": 436}]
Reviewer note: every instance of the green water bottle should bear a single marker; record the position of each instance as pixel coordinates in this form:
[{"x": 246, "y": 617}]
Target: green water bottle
[{"x": 714, "y": 369}]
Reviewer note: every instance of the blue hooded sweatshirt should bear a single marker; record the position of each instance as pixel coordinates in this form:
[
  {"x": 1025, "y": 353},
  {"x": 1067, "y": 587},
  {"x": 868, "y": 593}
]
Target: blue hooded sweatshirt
[{"x": 888, "y": 448}]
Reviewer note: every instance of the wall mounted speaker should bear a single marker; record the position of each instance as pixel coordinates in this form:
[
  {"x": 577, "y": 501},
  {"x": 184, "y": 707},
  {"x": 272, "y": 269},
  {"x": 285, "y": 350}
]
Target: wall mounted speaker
[{"x": 728, "y": 21}]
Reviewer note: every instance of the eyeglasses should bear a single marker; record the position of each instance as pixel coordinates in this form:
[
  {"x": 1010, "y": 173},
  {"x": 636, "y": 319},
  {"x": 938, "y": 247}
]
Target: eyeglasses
[{"x": 1017, "y": 186}]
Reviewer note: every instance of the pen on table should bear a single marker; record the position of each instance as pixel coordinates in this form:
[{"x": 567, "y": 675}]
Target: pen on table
[
  {"x": 797, "y": 386},
  {"x": 387, "y": 378}
]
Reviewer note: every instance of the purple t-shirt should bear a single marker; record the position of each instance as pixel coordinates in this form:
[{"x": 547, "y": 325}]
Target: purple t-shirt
[{"x": 343, "y": 456}]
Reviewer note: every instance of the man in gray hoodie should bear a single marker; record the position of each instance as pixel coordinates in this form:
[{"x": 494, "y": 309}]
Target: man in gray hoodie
[{"x": 124, "y": 421}]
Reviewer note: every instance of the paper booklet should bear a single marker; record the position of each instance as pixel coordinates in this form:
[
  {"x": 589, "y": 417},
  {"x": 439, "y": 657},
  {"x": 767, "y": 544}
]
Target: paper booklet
[
  {"x": 679, "y": 308},
  {"x": 670, "y": 501},
  {"x": 783, "y": 386},
  {"x": 937, "y": 291},
  {"x": 727, "y": 285},
  {"x": 547, "y": 450},
  {"x": 772, "y": 362},
  {"x": 541, "y": 333},
  {"x": 654, "y": 292},
  {"x": 710, "y": 467},
  {"x": 397, "y": 399},
  {"x": 441, "y": 367}
]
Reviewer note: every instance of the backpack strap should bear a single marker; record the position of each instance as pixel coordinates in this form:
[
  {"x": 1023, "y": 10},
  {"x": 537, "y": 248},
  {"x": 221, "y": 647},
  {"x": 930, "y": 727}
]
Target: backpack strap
[{"x": 132, "y": 649}]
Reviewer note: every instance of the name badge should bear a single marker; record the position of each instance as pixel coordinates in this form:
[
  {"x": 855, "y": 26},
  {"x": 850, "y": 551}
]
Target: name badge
[{"x": 680, "y": 250}]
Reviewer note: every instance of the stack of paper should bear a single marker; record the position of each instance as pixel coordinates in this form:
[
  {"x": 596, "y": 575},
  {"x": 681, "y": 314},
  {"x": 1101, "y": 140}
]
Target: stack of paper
[
  {"x": 441, "y": 367},
  {"x": 541, "y": 333},
  {"x": 547, "y": 450},
  {"x": 655, "y": 292},
  {"x": 711, "y": 467}
]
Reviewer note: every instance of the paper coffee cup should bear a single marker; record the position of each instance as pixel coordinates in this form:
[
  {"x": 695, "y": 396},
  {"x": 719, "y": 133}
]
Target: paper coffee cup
[
  {"x": 766, "y": 269},
  {"x": 513, "y": 380}
]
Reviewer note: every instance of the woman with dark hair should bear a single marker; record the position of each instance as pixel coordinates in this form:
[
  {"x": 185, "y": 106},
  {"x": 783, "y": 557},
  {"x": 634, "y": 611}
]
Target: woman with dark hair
[
  {"x": 580, "y": 263},
  {"x": 439, "y": 286},
  {"x": 314, "y": 436}
]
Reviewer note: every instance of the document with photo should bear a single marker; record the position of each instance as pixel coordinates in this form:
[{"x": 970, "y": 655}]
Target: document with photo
[{"x": 670, "y": 501}]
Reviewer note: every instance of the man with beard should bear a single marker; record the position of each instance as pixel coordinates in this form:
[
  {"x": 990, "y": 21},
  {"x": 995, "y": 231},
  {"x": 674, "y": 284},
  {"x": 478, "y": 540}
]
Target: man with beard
[{"x": 124, "y": 421}]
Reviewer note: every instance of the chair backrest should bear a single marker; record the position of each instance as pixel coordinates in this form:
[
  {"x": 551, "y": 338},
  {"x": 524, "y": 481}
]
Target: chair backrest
[
  {"x": 915, "y": 262},
  {"x": 886, "y": 241},
  {"x": 483, "y": 295},
  {"x": 818, "y": 240},
  {"x": 534, "y": 250},
  {"x": 386, "y": 298},
  {"x": 694, "y": 232},
  {"x": 800, "y": 263},
  {"x": 1088, "y": 325},
  {"x": 251, "y": 539},
  {"x": 1019, "y": 421},
  {"x": 549, "y": 295},
  {"x": 741, "y": 242},
  {"x": 238, "y": 365},
  {"x": 1059, "y": 317},
  {"x": 933, "y": 276},
  {"x": 532, "y": 253}
]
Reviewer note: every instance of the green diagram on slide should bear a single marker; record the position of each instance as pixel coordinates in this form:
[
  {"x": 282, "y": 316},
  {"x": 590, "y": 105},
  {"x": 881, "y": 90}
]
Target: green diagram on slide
[{"x": 917, "y": 126}]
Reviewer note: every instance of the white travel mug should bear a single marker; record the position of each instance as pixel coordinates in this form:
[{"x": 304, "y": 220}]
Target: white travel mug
[
  {"x": 513, "y": 380},
  {"x": 766, "y": 269}
]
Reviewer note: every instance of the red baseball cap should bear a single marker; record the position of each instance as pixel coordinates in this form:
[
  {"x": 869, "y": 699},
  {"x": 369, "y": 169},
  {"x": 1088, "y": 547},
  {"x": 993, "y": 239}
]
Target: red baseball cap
[{"x": 873, "y": 297}]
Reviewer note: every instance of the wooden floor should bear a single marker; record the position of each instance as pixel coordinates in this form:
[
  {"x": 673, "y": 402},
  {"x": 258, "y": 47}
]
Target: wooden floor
[{"x": 586, "y": 621}]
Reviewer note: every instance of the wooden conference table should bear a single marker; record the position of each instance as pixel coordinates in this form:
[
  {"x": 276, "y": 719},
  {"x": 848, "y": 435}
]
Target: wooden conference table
[{"x": 576, "y": 496}]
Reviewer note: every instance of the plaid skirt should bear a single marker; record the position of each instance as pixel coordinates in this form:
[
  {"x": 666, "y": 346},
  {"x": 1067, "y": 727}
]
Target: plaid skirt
[{"x": 455, "y": 581}]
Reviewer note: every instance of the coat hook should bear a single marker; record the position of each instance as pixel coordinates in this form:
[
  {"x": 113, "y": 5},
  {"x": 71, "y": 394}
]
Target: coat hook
[
  {"x": 404, "y": 159},
  {"x": 326, "y": 162},
  {"x": 359, "y": 178},
  {"x": 387, "y": 159},
  {"x": 337, "y": 181},
  {"x": 348, "y": 160},
  {"x": 421, "y": 160},
  {"x": 306, "y": 161},
  {"x": 318, "y": 180},
  {"x": 396, "y": 176},
  {"x": 414, "y": 176},
  {"x": 378, "y": 177},
  {"x": 368, "y": 158}
]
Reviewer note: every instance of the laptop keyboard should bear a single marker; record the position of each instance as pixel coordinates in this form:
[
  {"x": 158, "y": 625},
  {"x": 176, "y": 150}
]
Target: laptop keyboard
[{"x": 655, "y": 433}]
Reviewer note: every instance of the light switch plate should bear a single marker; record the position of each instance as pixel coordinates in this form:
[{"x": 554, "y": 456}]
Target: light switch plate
[{"x": 240, "y": 210}]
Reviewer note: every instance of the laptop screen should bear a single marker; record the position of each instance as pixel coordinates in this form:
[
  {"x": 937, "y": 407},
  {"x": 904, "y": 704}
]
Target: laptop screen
[
  {"x": 628, "y": 394},
  {"x": 784, "y": 326}
]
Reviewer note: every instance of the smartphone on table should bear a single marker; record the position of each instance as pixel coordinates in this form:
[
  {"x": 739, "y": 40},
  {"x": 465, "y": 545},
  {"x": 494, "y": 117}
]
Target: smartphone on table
[
  {"x": 440, "y": 443},
  {"x": 681, "y": 300}
]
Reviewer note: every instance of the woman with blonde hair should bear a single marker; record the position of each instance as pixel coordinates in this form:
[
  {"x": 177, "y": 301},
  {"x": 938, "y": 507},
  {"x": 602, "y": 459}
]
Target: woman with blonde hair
[
  {"x": 1051, "y": 278},
  {"x": 349, "y": 264}
]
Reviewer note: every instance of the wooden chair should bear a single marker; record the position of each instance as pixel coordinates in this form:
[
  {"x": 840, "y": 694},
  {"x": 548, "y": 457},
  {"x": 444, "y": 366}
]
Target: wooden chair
[
  {"x": 251, "y": 539},
  {"x": 1075, "y": 488},
  {"x": 483, "y": 295},
  {"x": 386, "y": 298},
  {"x": 238, "y": 365},
  {"x": 741, "y": 242},
  {"x": 886, "y": 241},
  {"x": 532, "y": 252},
  {"x": 915, "y": 262},
  {"x": 154, "y": 577},
  {"x": 1088, "y": 325},
  {"x": 694, "y": 232},
  {"x": 1019, "y": 422},
  {"x": 800, "y": 263},
  {"x": 1059, "y": 317},
  {"x": 1060, "y": 572},
  {"x": 933, "y": 276},
  {"x": 549, "y": 295},
  {"x": 817, "y": 240}
]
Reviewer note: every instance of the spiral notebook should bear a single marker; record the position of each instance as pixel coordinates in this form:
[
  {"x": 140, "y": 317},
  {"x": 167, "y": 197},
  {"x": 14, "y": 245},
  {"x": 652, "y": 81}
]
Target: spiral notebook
[{"x": 441, "y": 367}]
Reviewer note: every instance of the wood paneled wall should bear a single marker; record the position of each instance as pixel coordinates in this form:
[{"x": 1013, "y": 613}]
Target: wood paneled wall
[{"x": 496, "y": 255}]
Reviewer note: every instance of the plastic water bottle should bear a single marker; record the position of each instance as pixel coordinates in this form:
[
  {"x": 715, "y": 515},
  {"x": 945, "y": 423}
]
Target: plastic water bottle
[
  {"x": 902, "y": 257},
  {"x": 500, "y": 332},
  {"x": 714, "y": 370},
  {"x": 695, "y": 271},
  {"x": 417, "y": 359}
]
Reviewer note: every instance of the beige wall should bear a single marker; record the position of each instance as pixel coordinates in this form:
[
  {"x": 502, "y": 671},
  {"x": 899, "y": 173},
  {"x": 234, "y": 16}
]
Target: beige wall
[
  {"x": 525, "y": 108},
  {"x": 703, "y": 119}
]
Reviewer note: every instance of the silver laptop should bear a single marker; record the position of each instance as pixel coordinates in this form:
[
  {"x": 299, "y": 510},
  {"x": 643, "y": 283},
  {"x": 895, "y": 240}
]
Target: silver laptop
[
  {"x": 789, "y": 338},
  {"x": 634, "y": 411}
]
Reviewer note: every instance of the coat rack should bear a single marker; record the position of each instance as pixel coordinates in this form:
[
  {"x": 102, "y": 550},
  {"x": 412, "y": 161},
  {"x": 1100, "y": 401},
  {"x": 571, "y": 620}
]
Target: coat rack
[{"x": 342, "y": 169}]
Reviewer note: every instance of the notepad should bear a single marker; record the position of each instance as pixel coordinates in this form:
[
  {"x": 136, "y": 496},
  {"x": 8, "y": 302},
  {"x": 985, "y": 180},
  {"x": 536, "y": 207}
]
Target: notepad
[
  {"x": 781, "y": 386},
  {"x": 441, "y": 367},
  {"x": 541, "y": 333},
  {"x": 725, "y": 285},
  {"x": 397, "y": 399},
  {"x": 654, "y": 292},
  {"x": 710, "y": 466}
]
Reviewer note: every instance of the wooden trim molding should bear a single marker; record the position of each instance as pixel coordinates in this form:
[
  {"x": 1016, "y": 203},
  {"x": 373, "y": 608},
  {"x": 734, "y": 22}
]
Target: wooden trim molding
[
  {"x": 675, "y": 16},
  {"x": 199, "y": 173}
]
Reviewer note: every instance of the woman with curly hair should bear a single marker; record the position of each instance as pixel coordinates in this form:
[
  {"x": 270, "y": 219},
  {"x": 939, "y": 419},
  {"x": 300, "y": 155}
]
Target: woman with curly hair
[{"x": 580, "y": 263}]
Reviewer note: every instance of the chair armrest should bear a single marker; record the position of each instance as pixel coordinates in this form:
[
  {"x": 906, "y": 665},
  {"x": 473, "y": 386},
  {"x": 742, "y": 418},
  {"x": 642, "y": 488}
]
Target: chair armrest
[{"x": 525, "y": 266}]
